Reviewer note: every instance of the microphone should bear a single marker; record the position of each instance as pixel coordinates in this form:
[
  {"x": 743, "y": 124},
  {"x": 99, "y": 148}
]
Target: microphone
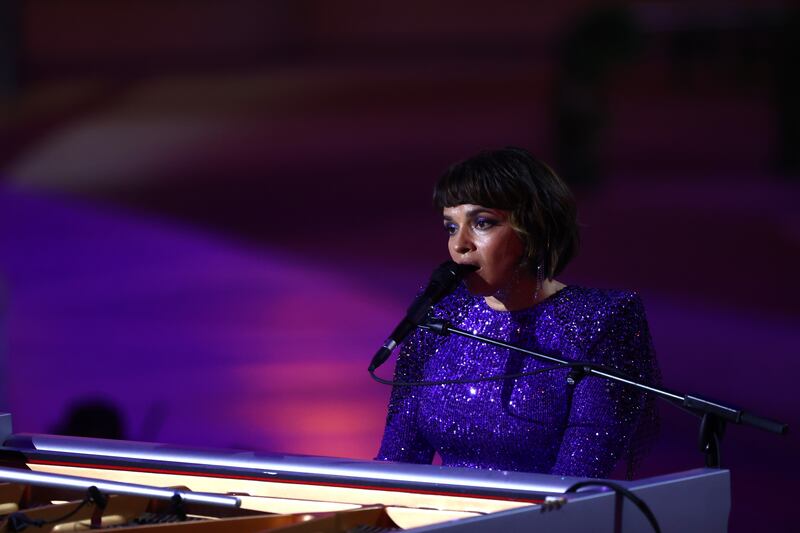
[{"x": 443, "y": 281}]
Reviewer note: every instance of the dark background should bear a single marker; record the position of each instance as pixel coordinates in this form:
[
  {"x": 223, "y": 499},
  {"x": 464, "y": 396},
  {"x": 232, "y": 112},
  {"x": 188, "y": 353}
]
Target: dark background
[{"x": 211, "y": 213}]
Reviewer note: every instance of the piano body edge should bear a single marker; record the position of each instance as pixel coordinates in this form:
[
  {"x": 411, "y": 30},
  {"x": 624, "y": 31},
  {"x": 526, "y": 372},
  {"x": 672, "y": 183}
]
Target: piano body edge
[{"x": 444, "y": 499}]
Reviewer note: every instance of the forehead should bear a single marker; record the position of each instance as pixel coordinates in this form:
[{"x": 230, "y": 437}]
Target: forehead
[{"x": 471, "y": 210}]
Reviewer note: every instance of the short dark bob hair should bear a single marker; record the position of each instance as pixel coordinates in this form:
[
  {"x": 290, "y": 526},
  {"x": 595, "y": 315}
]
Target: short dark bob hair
[{"x": 542, "y": 208}]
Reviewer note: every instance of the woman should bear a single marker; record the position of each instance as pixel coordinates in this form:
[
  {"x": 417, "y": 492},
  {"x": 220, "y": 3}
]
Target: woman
[{"x": 513, "y": 218}]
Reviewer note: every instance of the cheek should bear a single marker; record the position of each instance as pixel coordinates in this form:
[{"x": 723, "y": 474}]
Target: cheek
[
  {"x": 515, "y": 249},
  {"x": 507, "y": 251}
]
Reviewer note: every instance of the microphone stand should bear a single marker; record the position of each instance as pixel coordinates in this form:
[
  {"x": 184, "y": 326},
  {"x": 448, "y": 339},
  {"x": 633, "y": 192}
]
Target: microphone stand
[{"x": 714, "y": 415}]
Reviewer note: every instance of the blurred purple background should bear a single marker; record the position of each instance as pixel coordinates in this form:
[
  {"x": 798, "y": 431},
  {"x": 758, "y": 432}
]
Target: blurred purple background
[{"x": 212, "y": 213}]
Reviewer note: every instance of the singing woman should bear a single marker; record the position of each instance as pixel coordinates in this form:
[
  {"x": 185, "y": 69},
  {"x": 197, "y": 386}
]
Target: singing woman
[{"x": 513, "y": 218}]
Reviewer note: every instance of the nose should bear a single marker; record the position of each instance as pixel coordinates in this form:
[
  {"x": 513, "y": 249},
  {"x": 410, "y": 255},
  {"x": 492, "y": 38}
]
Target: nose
[{"x": 461, "y": 243}]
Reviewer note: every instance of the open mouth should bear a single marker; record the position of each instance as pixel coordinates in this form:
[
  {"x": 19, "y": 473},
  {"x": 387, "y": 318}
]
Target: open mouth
[{"x": 473, "y": 274}]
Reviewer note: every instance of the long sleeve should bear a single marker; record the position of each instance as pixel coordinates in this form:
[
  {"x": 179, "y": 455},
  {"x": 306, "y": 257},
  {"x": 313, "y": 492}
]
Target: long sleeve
[
  {"x": 607, "y": 417},
  {"x": 402, "y": 439}
]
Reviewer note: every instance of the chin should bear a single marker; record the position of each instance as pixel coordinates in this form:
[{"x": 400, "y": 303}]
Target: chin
[{"x": 479, "y": 287}]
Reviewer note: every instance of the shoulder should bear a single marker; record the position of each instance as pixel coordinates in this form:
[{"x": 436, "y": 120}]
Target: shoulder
[
  {"x": 618, "y": 333},
  {"x": 590, "y": 314},
  {"x": 603, "y": 304},
  {"x": 623, "y": 306}
]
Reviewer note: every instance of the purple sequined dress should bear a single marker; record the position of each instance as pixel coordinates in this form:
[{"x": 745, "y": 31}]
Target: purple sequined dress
[{"x": 531, "y": 424}]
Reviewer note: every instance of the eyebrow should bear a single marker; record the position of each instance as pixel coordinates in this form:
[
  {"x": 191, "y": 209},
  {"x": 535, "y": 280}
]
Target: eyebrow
[{"x": 472, "y": 212}]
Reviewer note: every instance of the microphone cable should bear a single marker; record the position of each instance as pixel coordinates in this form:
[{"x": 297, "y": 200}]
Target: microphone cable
[{"x": 622, "y": 492}]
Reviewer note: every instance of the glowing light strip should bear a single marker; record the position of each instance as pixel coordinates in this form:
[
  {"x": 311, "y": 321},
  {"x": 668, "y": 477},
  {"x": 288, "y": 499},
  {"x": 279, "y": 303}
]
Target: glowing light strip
[
  {"x": 274, "y": 468},
  {"x": 113, "y": 487}
]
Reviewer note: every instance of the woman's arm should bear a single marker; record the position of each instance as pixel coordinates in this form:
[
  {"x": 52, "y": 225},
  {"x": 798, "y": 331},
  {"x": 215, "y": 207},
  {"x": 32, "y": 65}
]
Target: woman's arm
[
  {"x": 606, "y": 418},
  {"x": 402, "y": 440}
]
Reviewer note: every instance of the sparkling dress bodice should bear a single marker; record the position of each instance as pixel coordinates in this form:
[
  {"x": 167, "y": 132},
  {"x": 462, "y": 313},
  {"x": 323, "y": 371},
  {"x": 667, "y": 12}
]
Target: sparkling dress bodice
[{"x": 537, "y": 423}]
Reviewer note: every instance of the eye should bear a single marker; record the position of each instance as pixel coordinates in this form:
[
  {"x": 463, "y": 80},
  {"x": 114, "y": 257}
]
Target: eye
[
  {"x": 484, "y": 223},
  {"x": 450, "y": 228}
]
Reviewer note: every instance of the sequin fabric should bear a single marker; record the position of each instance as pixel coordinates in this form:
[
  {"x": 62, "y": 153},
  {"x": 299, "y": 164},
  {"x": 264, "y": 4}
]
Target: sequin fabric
[{"x": 530, "y": 424}]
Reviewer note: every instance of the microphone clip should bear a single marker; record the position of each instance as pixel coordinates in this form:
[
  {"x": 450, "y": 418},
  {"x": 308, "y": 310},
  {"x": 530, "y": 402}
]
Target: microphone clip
[{"x": 437, "y": 325}]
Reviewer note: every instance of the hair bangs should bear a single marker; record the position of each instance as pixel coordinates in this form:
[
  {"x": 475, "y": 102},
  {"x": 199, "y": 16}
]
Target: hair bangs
[{"x": 473, "y": 184}]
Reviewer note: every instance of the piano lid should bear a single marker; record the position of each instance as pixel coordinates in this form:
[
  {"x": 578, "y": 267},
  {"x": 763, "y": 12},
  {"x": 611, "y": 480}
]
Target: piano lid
[{"x": 278, "y": 467}]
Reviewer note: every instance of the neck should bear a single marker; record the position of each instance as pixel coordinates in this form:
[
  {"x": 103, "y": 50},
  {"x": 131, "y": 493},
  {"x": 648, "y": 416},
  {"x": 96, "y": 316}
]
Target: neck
[{"x": 523, "y": 295}]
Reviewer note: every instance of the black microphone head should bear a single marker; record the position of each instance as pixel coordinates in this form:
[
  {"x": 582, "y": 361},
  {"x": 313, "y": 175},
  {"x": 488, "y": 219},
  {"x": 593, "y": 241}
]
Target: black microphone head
[
  {"x": 446, "y": 277},
  {"x": 443, "y": 281}
]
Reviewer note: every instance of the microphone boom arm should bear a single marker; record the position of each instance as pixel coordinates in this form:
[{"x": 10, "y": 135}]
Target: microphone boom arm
[{"x": 713, "y": 413}]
